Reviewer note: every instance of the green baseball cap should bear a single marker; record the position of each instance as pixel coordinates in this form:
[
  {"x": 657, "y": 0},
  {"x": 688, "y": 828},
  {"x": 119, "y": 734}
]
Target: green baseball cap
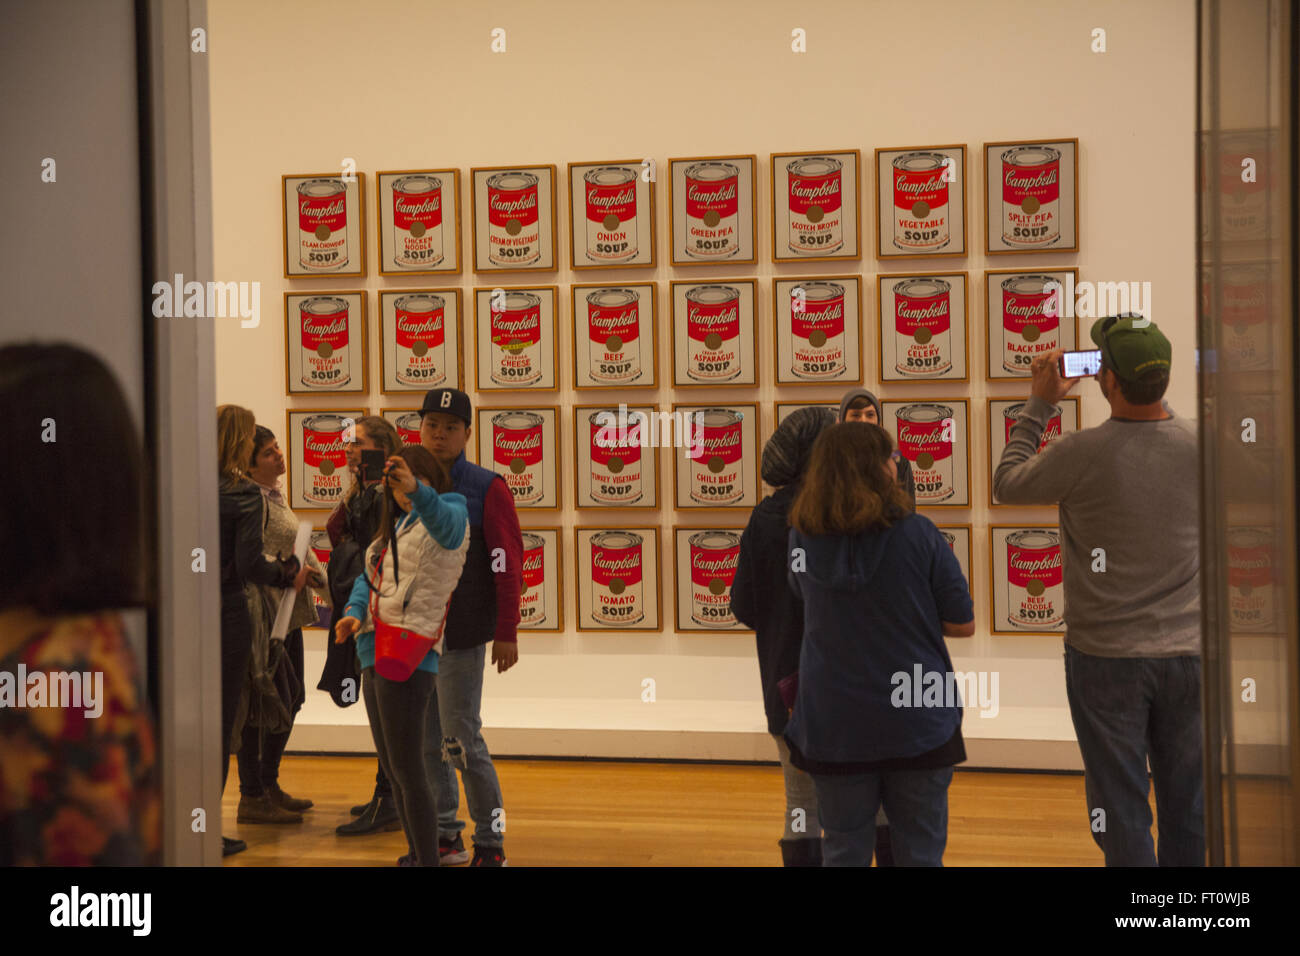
[{"x": 1131, "y": 345}]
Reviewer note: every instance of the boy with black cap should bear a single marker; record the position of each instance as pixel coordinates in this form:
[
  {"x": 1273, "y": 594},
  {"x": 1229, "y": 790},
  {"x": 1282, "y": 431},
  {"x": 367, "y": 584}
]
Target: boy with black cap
[
  {"x": 859, "y": 405},
  {"x": 484, "y": 607},
  {"x": 1130, "y": 550}
]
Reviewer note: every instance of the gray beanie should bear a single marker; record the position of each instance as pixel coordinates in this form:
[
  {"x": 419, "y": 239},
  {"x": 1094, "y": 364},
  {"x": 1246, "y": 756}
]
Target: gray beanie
[
  {"x": 853, "y": 393},
  {"x": 785, "y": 456}
]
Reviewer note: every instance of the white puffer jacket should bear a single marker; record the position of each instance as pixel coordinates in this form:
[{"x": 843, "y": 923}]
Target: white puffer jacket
[{"x": 428, "y": 572}]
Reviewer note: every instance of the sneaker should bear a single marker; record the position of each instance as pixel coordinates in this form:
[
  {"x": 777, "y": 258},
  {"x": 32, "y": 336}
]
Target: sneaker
[
  {"x": 380, "y": 816},
  {"x": 229, "y": 846},
  {"x": 282, "y": 799},
  {"x": 263, "y": 810},
  {"x": 489, "y": 856},
  {"x": 452, "y": 852}
]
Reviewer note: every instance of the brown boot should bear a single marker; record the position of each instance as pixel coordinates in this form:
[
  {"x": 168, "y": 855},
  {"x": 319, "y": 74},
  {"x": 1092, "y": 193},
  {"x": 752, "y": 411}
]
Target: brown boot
[
  {"x": 263, "y": 810},
  {"x": 282, "y": 799}
]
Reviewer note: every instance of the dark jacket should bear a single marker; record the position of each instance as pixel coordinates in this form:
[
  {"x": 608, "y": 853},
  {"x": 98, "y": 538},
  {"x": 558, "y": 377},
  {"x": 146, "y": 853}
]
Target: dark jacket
[
  {"x": 761, "y": 598},
  {"x": 874, "y": 604},
  {"x": 242, "y": 560},
  {"x": 352, "y": 526}
]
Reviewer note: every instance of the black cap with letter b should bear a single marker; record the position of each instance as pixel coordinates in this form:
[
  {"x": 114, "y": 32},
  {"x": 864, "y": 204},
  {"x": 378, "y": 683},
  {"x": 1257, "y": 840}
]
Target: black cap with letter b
[{"x": 451, "y": 401}]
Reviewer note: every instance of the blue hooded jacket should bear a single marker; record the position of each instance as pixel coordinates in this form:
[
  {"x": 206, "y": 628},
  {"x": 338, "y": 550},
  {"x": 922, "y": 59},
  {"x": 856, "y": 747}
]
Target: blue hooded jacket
[{"x": 874, "y": 604}]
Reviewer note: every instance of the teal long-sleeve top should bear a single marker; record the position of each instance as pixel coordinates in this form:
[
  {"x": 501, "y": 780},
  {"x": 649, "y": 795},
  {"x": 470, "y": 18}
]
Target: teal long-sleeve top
[{"x": 444, "y": 517}]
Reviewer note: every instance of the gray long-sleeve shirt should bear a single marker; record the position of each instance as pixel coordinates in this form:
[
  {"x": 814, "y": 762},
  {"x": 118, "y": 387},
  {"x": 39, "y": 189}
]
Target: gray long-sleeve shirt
[{"x": 1129, "y": 488}]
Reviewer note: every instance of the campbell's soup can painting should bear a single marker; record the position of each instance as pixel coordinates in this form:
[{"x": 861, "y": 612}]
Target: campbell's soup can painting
[
  {"x": 714, "y": 556},
  {"x": 1031, "y": 321},
  {"x": 816, "y": 216},
  {"x": 1034, "y": 590},
  {"x": 1250, "y": 578},
  {"x": 322, "y": 225},
  {"x": 921, "y": 440},
  {"x": 923, "y": 323},
  {"x": 616, "y": 457},
  {"x": 417, "y": 221},
  {"x": 1031, "y": 196},
  {"x": 326, "y": 357},
  {"x": 325, "y": 460},
  {"x": 516, "y": 333},
  {"x": 712, "y": 210},
  {"x": 614, "y": 335},
  {"x": 517, "y": 454},
  {"x": 321, "y": 548},
  {"x": 716, "y": 454},
  {"x": 611, "y": 214},
  {"x": 514, "y": 225},
  {"x": 532, "y": 597},
  {"x": 1243, "y": 206},
  {"x": 408, "y": 428},
  {"x": 421, "y": 339},
  {"x": 921, "y": 222},
  {"x": 713, "y": 333},
  {"x": 1244, "y": 318},
  {"x": 817, "y": 330},
  {"x": 616, "y": 585},
  {"x": 1050, "y": 433}
]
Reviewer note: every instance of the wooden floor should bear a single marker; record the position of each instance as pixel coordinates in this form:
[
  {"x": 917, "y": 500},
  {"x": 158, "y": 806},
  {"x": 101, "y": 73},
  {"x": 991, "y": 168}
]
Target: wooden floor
[{"x": 644, "y": 814}]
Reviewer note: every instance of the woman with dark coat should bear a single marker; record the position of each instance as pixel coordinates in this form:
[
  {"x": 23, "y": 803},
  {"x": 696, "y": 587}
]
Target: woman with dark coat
[
  {"x": 242, "y": 562},
  {"x": 761, "y": 599}
]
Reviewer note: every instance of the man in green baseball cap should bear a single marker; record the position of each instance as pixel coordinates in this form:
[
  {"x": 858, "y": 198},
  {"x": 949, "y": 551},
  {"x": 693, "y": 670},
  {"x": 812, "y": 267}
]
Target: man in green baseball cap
[{"x": 1129, "y": 551}]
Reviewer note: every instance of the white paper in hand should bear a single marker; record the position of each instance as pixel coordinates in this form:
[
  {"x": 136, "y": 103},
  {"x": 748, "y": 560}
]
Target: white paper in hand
[{"x": 289, "y": 596}]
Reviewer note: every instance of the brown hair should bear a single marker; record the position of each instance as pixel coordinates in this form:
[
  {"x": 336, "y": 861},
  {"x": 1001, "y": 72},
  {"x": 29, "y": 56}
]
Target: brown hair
[
  {"x": 1147, "y": 390},
  {"x": 75, "y": 527},
  {"x": 423, "y": 466},
  {"x": 380, "y": 431},
  {"x": 235, "y": 429},
  {"x": 848, "y": 488}
]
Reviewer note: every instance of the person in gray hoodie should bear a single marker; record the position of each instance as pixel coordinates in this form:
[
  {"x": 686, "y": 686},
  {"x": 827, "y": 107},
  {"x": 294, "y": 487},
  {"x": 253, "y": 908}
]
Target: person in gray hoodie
[{"x": 860, "y": 405}]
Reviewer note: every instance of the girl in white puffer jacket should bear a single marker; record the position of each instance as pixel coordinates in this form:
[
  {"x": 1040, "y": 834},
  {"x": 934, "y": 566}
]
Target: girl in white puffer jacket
[{"x": 431, "y": 539}]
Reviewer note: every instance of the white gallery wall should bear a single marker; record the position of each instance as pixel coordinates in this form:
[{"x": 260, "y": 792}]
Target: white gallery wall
[{"x": 297, "y": 87}]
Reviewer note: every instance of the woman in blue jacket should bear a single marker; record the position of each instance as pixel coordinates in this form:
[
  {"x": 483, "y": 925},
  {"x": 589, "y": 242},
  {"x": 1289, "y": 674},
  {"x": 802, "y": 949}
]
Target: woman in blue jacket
[{"x": 877, "y": 719}]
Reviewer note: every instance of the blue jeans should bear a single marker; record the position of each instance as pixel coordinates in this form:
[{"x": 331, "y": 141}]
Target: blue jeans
[
  {"x": 915, "y": 800},
  {"x": 457, "y": 723},
  {"x": 1126, "y": 711}
]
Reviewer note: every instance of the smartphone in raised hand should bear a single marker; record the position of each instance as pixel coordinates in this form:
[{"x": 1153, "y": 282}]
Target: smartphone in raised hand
[{"x": 1081, "y": 363}]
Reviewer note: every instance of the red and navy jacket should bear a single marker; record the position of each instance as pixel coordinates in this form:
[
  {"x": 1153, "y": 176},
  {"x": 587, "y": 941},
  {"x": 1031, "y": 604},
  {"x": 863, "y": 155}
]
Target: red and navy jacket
[{"x": 485, "y": 604}]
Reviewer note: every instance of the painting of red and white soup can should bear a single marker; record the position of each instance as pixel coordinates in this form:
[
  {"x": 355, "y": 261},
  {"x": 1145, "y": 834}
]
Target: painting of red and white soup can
[
  {"x": 614, "y": 335},
  {"x": 408, "y": 428},
  {"x": 712, "y": 210},
  {"x": 713, "y": 333},
  {"x": 616, "y": 585},
  {"x": 421, "y": 339},
  {"x": 532, "y": 597},
  {"x": 417, "y": 221},
  {"x": 923, "y": 323},
  {"x": 516, "y": 332},
  {"x": 1031, "y": 320},
  {"x": 922, "y": 441},
  {"x": 817, "y": 330},
  {"x": 1244, "y": 317},
  {"x": 1035, "y": 594},
  {"x": 517, "y": 454},
  {"x": 325, "y": 460},
  {"x": 1250, "y": 578},
  {"x": 1052, "y": 432},
  {"x": 1243, "y": 206},
  {"x": 326, "y": 357},
  {"x": 616, "y": 456},
  {"x": 322, "y": 225},
  {"x": 1031, "y": 196},
  {"x": 921, "y": 222},
  {"x": 514, "y": 226},
  {"x": 611, "y": 213},
  {"x": 716, "y": 454},
  {"x": 816, "y": 216},
  {"x": 714, "y": 556},
  {"x": 321, "y": 547}
]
